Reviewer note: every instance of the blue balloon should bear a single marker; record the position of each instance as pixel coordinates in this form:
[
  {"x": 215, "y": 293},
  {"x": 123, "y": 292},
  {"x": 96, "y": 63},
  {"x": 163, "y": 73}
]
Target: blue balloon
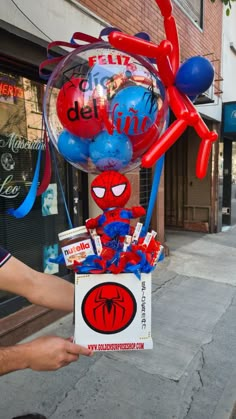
[
  {"x": 110, "y": 152},
  {"x": 143, "y": 35},
  {"x": 134, "y": 110},
  {"x": 73, "y": 148},
  {"x": 193, "y": 98},
  {"x": 107, "y": 31},
  {"x": 195, "y": 76}
]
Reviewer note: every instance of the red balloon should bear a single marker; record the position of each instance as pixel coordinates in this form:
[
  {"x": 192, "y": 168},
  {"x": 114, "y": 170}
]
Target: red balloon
[
  {"x": 204, "y": 154},
  {"x": 172, "y": 36},
  {"x": 78, "y": 108},
  {"x": 133, "y": 45},
  {"x": 142, "y": 142},
  {"x": 165, "y": 7},
  {"x": 170, "y": 136},
  {"x": 164, "y": 64}
]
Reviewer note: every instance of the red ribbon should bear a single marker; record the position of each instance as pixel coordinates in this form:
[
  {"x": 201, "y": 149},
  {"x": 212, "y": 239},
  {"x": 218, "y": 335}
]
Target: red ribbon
[
  {"x": 47, "y": 66},
  {"x": 47, "y": 169}
]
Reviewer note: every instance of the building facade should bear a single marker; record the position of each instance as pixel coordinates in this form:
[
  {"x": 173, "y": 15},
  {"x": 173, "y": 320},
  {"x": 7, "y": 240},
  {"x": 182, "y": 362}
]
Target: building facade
[
  {"x": 227, "y": 163},
  {"x": 183, "y": 201},
  {"x": 34, "y": 238}
]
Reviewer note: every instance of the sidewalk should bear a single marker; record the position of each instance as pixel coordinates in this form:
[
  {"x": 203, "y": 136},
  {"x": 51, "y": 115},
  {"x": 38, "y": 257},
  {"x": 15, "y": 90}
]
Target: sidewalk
[{"x": 190, "y": 372}]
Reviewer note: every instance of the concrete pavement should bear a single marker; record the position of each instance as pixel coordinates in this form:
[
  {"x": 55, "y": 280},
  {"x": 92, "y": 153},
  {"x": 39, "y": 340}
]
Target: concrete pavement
[{"x": 190, "y": 372}]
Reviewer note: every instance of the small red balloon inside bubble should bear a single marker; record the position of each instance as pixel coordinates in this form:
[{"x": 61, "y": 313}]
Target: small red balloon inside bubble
[
  {"x": 78, "y": 113},
  {"x": 110, "y": 108}
]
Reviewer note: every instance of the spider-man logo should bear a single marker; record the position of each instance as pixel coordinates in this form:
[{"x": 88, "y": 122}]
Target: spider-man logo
[{"x": 109, "y": 308}]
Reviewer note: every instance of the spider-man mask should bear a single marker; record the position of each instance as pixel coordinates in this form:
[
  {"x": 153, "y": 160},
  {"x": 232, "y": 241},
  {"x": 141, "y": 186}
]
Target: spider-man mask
[{"x": 110, "y": 189}]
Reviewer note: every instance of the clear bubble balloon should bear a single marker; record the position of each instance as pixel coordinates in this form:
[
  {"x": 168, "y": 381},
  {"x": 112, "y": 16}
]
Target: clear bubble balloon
[{"x": 104, "y": 108}]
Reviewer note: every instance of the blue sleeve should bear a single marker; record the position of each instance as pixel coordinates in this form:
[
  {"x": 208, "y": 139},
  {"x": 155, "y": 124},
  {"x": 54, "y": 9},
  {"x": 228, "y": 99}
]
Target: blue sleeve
[
  {"x": 126, "y": 214},
  {"x": 101, "y": 219}
]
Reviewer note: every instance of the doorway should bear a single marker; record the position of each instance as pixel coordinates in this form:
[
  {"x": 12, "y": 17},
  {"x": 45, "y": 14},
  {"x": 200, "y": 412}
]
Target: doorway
[
  {"x": 175, "y": 183},
  {"x": 229, "y": 183}
]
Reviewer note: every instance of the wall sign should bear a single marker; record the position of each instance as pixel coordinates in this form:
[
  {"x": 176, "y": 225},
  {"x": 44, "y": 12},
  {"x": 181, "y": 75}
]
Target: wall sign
[
  {"x": 229, "y": 118},
  {"x": 11, "y": 90},
  {"x": 13, "y": 175}
]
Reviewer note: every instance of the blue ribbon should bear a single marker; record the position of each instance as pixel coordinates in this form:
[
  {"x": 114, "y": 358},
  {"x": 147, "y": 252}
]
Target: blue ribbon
[
  {"x": 59, "y": 260},
  {"x": 155, "y": 186},
  {"x": 29, "y": 201}
]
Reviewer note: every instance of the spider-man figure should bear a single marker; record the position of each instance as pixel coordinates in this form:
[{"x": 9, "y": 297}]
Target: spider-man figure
[{"x": 111, "y": 191}]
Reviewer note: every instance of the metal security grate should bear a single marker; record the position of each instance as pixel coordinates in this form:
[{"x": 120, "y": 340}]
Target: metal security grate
[{"x": 145, "y": 187}]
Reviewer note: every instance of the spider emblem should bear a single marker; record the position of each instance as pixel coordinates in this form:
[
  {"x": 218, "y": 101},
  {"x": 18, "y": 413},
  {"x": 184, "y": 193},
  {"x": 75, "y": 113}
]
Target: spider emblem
[
  {"x": 151, "y": 98},
  {"x": 109, "y": 308},
  {"x": 109, "y": 305}
]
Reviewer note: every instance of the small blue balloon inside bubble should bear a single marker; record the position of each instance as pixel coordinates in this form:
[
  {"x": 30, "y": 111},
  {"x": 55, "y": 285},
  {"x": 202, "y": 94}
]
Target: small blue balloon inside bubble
[
  {"x": 110, "y": 152},
  {"x": 134, "y": 110},
  {"x": 73, "y": 148}
]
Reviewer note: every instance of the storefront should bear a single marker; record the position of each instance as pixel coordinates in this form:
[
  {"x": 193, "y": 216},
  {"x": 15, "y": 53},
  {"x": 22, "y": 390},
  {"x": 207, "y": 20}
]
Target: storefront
[
  {"x": 34, "y": 238},
  {"x": 191, "y": 203},
  {"x": 228, "y": 148}
]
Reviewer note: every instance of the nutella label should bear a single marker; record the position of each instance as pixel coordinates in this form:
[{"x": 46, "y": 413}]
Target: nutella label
[{"x": 77, "y": 251}]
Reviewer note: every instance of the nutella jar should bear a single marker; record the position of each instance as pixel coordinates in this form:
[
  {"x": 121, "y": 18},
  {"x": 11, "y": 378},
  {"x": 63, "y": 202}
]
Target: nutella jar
[{"x": 76, "y": 245}]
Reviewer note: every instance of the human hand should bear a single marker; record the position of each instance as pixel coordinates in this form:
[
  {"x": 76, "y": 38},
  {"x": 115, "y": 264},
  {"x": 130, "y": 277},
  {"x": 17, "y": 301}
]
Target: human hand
[
  {"x": 49, "y": 353},
  {"x": 91, "y": 223}
]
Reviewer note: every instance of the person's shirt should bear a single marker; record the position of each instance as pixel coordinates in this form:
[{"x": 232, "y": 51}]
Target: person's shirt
[{"x": 4, "y": 256}]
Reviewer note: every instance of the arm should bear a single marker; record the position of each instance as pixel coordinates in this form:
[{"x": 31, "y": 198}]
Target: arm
[
  {"x": 39, "y": 288},
  {"x": 138, "y": 211},
  {"x": 95, "y": 222},
  {"x": 46, "y": 353}
]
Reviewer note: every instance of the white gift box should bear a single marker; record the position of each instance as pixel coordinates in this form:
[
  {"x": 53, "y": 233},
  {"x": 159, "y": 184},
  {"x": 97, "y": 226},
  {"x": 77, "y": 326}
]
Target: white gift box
[{"x": 113, "y": 312}]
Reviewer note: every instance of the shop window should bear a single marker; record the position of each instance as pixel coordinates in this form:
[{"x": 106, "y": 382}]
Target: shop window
[
  {"x": 193, "y": 9},
  {"x": 34, "y": 238}
]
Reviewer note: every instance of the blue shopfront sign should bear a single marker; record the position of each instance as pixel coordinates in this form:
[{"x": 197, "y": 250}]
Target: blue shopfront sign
[{"x": 229, "y": 118}]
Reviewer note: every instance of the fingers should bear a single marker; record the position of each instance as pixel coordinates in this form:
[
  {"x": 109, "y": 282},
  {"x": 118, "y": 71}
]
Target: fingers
[
  {"x": 75, "y": 349},
  {"x": 71, "y": 358},
  {"x": 79, "y": 349},
  {"x": 49, "y": 353}
]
